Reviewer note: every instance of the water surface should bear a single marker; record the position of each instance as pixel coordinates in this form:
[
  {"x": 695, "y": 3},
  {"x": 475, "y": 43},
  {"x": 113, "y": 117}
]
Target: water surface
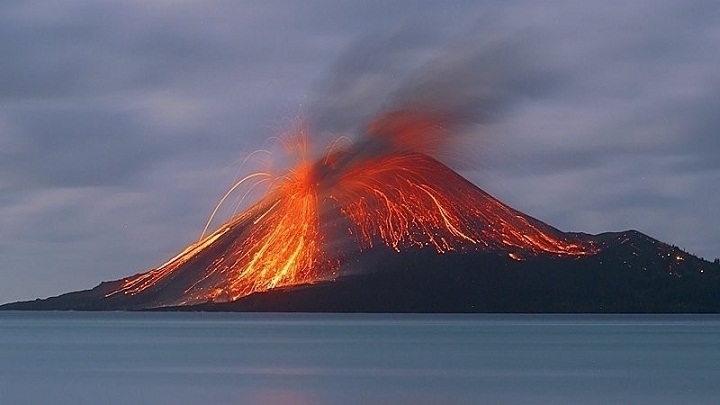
[{"x": 203, "y": 358}]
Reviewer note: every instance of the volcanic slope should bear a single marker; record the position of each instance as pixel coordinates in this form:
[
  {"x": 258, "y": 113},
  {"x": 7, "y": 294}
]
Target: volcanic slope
[
  {"x": 632, "y": 273},
  {"x": 401, "y": 232}
]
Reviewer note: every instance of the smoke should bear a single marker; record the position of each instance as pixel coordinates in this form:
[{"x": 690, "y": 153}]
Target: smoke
[
  {"x": 429, "y": 98},
  {"x": 410, "y": 91}
]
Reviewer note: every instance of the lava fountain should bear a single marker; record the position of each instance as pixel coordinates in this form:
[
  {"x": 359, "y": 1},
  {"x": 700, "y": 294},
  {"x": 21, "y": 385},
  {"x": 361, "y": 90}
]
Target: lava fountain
[{"x": 383, "y": 191}]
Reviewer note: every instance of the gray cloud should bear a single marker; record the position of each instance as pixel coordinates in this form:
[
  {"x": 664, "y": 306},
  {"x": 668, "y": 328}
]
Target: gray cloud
[
  {"x": 70, "y": 147},
  {"x": 121, "y": 123},
  {"x": 477, "y": 75}
]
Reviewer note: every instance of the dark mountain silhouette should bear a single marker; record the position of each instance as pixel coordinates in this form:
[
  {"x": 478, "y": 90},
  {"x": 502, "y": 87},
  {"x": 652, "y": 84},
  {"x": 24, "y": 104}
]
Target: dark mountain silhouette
[
  {"x": 382, "y": 226},
  {"x": 390, "y": 230},
  {"x": 632, "y": 273}
]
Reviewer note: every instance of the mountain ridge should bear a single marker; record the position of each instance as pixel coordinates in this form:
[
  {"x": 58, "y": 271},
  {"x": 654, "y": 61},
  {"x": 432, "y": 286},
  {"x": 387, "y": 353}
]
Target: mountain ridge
[
  {"x": 398, "y": 231},
  {"x": 621, "y": 279}
]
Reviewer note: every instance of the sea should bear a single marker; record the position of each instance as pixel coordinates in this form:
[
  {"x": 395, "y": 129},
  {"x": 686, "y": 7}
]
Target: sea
[{"x": 279, "y": 358}]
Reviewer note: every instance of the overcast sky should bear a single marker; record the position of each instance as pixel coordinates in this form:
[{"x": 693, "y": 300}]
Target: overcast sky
[{"x": 123, "y": 122}]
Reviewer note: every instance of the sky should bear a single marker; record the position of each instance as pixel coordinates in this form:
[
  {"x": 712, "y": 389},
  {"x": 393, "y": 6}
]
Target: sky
[{"x": 122, "y": 123}]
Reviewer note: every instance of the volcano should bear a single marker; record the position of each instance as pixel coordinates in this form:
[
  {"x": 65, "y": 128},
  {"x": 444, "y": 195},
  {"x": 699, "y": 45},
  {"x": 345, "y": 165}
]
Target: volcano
[{"x": 381, "y": 226}]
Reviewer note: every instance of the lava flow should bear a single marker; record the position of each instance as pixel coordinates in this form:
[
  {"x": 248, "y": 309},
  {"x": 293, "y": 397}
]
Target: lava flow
[{"x": 384, "y": 190}]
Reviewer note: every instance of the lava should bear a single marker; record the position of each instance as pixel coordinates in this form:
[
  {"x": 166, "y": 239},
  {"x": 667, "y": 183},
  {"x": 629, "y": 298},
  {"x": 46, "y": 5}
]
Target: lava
[
  {"x": 384, "y": 190},
  {"x": 408, "y": 199}
]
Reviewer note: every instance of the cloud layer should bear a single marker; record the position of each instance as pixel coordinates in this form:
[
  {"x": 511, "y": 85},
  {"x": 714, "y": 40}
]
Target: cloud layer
[{"x": 122, "y": 123}]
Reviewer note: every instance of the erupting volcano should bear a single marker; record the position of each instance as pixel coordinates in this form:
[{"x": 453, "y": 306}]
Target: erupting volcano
[
  {"x": 324, "y": 234},
  {"x": 383, "y": 190}
]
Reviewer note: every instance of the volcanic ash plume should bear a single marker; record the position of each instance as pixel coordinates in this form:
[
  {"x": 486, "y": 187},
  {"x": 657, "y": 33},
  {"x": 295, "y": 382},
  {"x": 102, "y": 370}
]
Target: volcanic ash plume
[
  {"x": 386, "y": 191},
  {"x": 383, "y": 191}
]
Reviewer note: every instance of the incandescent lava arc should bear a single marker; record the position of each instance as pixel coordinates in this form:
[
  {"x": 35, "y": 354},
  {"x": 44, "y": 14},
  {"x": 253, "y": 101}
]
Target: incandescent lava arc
[{"x": 384, "y": 191}]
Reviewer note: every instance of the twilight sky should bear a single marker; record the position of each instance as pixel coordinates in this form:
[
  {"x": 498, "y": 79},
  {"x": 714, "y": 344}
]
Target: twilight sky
[{"x": 123, "y": 122}]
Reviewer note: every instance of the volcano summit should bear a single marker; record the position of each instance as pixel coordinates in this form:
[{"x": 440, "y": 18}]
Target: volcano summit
[{"x": 381, "y": 225}]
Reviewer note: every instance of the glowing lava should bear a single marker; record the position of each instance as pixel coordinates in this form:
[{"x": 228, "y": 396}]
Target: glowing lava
[
  {"x": 408, "y": 199},
  {"x": 382, "y": 191}
]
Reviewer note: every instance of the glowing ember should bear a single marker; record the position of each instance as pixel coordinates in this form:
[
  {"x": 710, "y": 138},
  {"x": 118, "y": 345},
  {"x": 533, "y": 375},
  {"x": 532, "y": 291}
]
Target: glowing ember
[
  {"x": 406, "y": 200},
  {"x": 384, "y": 190}
]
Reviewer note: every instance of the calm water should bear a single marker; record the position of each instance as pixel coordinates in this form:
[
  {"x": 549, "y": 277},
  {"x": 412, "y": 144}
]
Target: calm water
[{"x": 152, "y": 358}]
